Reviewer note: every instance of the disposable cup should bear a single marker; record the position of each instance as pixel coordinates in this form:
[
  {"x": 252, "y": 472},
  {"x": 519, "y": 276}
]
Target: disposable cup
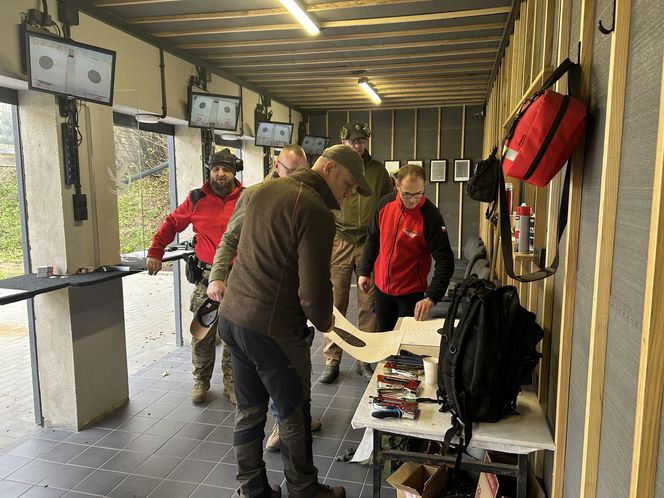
[{"x": 430, "y": 370}]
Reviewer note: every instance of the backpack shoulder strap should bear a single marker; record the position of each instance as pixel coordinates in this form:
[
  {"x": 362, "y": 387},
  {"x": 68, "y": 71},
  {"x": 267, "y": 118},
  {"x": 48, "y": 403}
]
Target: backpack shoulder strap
[{"x": 195, "y": 196}]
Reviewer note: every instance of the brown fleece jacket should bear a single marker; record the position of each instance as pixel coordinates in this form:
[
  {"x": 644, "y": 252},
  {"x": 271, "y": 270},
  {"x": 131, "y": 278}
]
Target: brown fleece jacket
[{"x": 281, "y": 276}]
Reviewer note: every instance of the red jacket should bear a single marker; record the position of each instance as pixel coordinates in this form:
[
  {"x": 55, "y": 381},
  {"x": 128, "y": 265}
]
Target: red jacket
[
  {"x": 207, "y": 213},
  {"x": 400, "y": 244}
]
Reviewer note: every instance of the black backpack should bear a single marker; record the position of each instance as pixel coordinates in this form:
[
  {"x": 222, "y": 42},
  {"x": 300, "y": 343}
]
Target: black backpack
[{"x": 486, "y": 358}]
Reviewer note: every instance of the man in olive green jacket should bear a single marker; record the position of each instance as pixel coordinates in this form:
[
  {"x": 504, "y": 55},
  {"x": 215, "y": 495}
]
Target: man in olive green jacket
[{"x": 351, "y": 231}]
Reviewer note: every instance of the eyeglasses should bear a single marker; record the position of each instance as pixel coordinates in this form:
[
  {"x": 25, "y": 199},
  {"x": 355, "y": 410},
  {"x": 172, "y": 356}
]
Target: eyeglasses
[
  {"x": 407, "y": 196},
  {"x": 288, "y": 170},
  {"x": 358, "y": 141}
]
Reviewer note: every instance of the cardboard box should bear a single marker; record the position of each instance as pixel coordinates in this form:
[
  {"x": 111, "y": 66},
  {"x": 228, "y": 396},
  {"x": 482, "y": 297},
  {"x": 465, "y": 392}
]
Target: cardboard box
[
  {"x": 414, "y": 480},
  {"x": 495, "y": 486}
]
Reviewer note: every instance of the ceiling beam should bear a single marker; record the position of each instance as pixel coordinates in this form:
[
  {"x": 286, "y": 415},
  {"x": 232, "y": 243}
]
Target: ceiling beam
[
  {"x": 344, "y": 23},
  {"x": 393, "y": 80},
  {"x": 424, "y": 73},
  {"x": 358, "y": 48},
  {"x": 334, "y": 38},
  {"x": 405, "y": 105},
  {"x": 243, "y": 14},
  {"x": 294, "y": 94},
  {"x": 382, "y": 67},
  {"x": 388, "y": 98},
  {"x": 355, "y": 60}
]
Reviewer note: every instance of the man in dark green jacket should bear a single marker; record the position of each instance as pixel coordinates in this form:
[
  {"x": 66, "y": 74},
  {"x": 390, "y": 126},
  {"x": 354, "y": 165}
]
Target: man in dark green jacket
[
  {"x": 280, "y": 279},
  {"x": 351, "y": 232}
]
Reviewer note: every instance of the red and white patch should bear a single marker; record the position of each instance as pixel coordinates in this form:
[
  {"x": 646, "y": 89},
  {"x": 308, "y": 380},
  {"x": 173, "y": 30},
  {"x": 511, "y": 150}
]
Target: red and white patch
[{"x": 412, "y": 234}]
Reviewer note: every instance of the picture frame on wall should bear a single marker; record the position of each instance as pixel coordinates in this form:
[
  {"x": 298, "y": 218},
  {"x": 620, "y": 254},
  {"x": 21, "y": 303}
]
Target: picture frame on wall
[
  {"x": 416, "y": 162},
  {"x": 438, "y": 170},
  {"x": 461, "y": 170},
  {"x": 392, "y": 165}
]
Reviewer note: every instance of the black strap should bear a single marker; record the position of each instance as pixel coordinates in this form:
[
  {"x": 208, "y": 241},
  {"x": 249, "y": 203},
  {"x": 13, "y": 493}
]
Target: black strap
[
  {"x": 506, "y": 234},
  {"x": 558, "y": 73}
]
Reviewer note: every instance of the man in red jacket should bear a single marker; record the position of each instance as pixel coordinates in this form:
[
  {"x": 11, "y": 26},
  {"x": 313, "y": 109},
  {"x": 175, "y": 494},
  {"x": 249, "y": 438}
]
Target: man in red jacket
[
  {"x": 406, "y": 231},
  {"x": 208, "y": 210}
]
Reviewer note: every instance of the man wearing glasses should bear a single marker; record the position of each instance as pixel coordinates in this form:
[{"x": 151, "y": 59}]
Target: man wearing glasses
[
  {"x": 406, "y": 231},
  {"x": 351, "y": 231}
]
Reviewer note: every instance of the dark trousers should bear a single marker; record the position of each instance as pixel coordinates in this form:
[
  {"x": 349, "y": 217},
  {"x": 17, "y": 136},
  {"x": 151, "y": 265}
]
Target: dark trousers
[
  {"x": 390, "y": 308},
  {"x": 267, "y": 367}
]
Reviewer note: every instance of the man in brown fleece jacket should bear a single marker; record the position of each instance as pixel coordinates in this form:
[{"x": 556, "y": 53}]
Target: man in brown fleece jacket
[{"x": 280, "y": 279}]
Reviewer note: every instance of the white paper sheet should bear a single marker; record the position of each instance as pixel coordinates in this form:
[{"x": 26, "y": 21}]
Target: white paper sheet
[
  {"x": 368, "y": 347},
  {"x": 365, "y": 448}
]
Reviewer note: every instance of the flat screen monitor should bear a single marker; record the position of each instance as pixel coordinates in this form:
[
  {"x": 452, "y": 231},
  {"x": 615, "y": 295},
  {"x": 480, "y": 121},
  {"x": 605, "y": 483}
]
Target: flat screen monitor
[
  {"x": 273, "y": 134},
  {"x": 314, "y": 146},
  {"x": 65, "y": 67},
  {"x": 209, "y": 110}
]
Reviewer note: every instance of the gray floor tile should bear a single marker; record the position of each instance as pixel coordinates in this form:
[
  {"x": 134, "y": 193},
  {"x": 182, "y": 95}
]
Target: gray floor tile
[
  {"x": 367, "y": 492},
  {"x": 157, "y": 410},
  {"x": 34, "y": 472},
  {"x": 75, "y": 494},
  {"x": 355, "y": 435},
  {"x": 32, "y": 448},
  {"x": 210, "y": 451},
  {"x": 93, "y": 457},
  {"x": 352, "y": 391},
  {"x": 63, "y": 452},
  {"x": 11, "y": 463},
  {"x": 211, "y": 416},
  {"x": 222, "y": 403},
  {"x": 322, "y": 400},
  {"x": 174, "y": 398},
  {"x": 134, "y": 487},
  {"x": 54, "y": 434},
  {"x": 88, "y": 436},
  {"x": 345, "y": 403},
  {"x": 203, "y": 491},
  {"x": 222, "y": 475},
  {"x": 173, "y": 489},
  {"x": 273, "y": 460},
  {"x": 157, "y": 466},
  {"x": 137, "y": 424},
  {"x": 328, "y": 389},
  {"x": 42, "y": 492},
  {"x": 221, "y": 435},
  {"x": 184, "y": 413},
  {"x": 230, "y": 458},
  {"x": 333, "y": 430},
  {"x": 148, "y": 396},
  {"x": 323, "y": 465},
  {"x": 66, "y": 477},
  {"x": 100, "y": 482},
  {"x": 191, "y": 471},
  {"x": 167, "y": 428},
  {"x": 113, "y": 421},
  {"x": 353, "y": 489},
  {"x": 177, "y": 446},
  {"x": 347, "y": 471},
  {"x": 11, "y": 489},
  {"x": 125, "y": 461},
  {"x": 117, "y": 440},
  {"x": 196, "y": 431},
  {"x": 324, "y": 446},
  {"x": 146, "y": 443}
]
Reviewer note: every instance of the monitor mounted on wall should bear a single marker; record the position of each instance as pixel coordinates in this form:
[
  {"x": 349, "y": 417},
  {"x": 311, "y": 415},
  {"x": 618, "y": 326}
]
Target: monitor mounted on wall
[
  {"x": 314, "y": 145},
  {"x": 210, "y": 110},
  {"x": 273, "y": 134},
  {"x": 68, "y": 68}
]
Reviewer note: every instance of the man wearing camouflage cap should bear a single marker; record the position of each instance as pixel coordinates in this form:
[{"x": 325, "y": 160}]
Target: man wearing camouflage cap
[
  {"x": 351, "y": 231},
  {"x": 208, "y": 210}
]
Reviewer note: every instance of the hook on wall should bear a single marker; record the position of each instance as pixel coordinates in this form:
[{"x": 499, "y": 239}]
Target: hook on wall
[{"x": 607, "y": 31}]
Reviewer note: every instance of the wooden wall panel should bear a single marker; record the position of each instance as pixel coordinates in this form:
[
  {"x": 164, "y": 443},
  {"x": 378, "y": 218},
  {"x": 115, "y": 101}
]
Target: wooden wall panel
[
  {"x": 335, "y": 120},
  {"x": 381, "y": 133},
  {"x": 404, "y": 127}
]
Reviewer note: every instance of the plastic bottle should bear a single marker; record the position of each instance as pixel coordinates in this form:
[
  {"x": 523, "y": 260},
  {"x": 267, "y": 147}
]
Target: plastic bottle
[
  {"x": 523, "y": 224},
  {"x": 509, "y": 194}
]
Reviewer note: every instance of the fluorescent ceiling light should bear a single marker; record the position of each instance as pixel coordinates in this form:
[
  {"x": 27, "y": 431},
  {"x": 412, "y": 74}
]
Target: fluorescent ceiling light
[
  {"x": 364, "y": 83},
  {"x": 301, "y": 16}
]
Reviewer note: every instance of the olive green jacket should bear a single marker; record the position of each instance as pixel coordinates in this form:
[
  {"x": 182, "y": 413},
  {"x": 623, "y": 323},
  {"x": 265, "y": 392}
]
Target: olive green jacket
[{"x": 356, "y": 212}]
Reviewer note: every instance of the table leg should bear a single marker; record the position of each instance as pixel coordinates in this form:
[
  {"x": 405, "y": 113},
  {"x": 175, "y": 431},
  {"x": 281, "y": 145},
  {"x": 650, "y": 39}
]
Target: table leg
[
  {"x": 377, "y": 462},
  {"x": 522, "y": 479}
]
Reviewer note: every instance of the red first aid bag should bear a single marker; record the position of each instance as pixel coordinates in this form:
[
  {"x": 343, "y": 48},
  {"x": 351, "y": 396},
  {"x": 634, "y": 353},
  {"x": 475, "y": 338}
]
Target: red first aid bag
[{"x": 544, "y": 133}]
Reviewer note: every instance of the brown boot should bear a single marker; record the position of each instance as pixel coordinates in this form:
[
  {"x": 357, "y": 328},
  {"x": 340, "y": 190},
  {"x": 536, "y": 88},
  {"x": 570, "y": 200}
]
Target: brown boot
[
  {"x": 330, "y": 492},
  {"x": 229, "y": 392},
  {"x": 199, "y": 392}
]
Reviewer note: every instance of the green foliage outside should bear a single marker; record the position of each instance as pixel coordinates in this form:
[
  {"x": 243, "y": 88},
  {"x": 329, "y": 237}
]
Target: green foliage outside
[{"x": 11, "y": 253}]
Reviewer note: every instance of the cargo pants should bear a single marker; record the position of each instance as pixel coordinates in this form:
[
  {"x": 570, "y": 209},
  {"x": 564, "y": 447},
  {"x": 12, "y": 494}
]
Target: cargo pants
[
  {"x": 203, "y": 350},
  {"x": 346, "y": 258},
  {"x": 277, "y": 367}
]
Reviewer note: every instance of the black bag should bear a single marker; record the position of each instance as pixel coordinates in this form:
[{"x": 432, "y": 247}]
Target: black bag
[
  {"x": 486, "y": 358},
  {"x": 483, "y": 185},
  {"x": 192, "y": 269}
]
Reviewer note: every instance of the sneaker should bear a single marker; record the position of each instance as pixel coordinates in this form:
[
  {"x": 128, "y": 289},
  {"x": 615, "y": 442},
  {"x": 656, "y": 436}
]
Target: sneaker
[
  {"x": 315, "y": 425},
  {"x": 272, "y": 443},
  {"x": 330, "y": 374},
  {"x": 199, "y": 392},
  {"x": 365, "y": 370},
  {"x": 330, "y": 492}
]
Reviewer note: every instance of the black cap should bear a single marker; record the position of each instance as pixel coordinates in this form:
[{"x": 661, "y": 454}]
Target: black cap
[
  {"x": 225, "y": 157},
  {"x": 354, "y": 130}
]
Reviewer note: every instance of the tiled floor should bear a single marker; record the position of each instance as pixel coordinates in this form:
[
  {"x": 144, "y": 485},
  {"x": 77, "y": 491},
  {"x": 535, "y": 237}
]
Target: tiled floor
[{"x": 161, "y": 445}]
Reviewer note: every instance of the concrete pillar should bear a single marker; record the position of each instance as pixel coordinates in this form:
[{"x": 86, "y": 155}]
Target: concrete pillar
[{"x": 80, "y": 331}]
